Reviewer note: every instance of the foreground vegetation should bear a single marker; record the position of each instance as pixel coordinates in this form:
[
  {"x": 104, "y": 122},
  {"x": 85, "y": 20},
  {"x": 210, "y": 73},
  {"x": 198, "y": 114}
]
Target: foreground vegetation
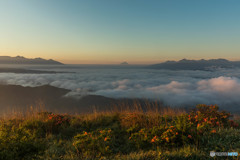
[{"x": 168, "y": 134}]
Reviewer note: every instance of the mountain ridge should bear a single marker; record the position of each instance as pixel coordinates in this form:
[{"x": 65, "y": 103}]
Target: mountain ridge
[
  {"x": 201, "y": 64},
  {"x": 23, "y": 60}
]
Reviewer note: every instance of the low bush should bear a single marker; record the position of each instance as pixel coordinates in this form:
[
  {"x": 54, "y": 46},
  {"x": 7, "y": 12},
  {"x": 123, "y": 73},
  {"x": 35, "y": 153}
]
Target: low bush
[
  {"x": 16, "y": 142},
  {"x": 121, "y": 135},
  {"x": 94, "y": 144}
]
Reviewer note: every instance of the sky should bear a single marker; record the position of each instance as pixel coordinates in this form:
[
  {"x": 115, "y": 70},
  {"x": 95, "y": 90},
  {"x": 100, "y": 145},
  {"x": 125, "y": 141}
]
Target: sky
[{"x": 113, "y": 31}]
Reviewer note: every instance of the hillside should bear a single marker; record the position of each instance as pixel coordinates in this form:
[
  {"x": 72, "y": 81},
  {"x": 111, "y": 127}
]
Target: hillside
[
  {"x": 23, "y": 60},
  {"x": 19, "y": 98},
  {"x": 202, "y": 64},
  {"x": 134, "y": 135}
]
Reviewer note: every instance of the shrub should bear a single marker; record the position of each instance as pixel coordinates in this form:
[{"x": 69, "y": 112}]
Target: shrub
[
  {"x": 121, "y": 135},
  {"x": 36, "y": 128},
  {"x": 209, "y": 115},
  {"x": 140, "y": 139},
  {"x": 55, "y": 122},
  {"x": 94, "y": 144},
  {"x": 222, "y": 140},
  {"x": 18, "y": 143}
]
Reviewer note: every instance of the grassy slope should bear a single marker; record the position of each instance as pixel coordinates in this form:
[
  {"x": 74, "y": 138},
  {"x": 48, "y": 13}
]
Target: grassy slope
[{"x": 165, "y": 134}]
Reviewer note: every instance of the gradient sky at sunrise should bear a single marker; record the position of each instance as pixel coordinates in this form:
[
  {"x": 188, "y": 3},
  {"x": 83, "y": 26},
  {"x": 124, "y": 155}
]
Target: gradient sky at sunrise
[{"x": 112, "y": 31}]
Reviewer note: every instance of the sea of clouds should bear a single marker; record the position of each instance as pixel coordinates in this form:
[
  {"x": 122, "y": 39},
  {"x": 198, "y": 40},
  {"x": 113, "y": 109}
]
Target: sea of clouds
[{"x": 175, "y": 88}]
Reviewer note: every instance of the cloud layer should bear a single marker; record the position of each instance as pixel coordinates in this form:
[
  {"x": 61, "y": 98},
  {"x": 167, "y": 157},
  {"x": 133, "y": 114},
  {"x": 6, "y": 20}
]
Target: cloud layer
[{"x": 176, "y": 88}]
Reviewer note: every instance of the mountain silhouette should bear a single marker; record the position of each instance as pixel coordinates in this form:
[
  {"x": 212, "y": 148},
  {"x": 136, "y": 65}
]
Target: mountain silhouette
[
  {"x": 202, "y": 64},
  {"x": 124, "y": 63},
  {"x": 23, "y": 60}
]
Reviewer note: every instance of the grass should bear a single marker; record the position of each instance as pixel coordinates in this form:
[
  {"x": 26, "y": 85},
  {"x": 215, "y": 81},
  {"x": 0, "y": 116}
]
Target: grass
[{"x": 133, "y": 134}]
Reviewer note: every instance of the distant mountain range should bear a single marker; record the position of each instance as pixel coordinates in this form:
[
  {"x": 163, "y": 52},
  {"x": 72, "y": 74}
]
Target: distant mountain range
[
  {"x": 202, "y": 64},
  {"x": 23, "y": 60}
]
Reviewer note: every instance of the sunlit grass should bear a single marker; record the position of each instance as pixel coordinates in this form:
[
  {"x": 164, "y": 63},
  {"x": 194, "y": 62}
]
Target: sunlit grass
[{"x": 131, "y": 132}]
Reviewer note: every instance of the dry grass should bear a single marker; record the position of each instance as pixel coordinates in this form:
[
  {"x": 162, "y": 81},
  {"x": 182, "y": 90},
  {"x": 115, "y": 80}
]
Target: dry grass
[
  {"x": 24, "y": 113},
  {"x": 60, "y": 135},
  {"x": 147, "y": 114}
]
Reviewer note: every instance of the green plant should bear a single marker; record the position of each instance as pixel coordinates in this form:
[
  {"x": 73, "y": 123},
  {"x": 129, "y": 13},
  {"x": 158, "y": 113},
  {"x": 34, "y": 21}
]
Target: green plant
[
  {"x": 17, "y": 142},
  {"x": 94, "y": 144}
]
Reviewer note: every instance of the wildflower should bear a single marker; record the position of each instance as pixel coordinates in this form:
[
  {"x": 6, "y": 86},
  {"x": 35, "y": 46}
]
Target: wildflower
[
  {"x": 105, "y": 139},
  {"x": 100, "y": 131},
  {"x": 213, "y": 131},
  {"x": 205, "y": 119},
  {"x": 176, "y": 133},
  {"x": 217, "y": 123},
  {"x": 153, "y": 140},
  {"x": 167, "y": 139},
  {"x": 189, "y": 136},
  {"x": 130, "y": 138},
  {"x": 198, "y": 125},
  {"x": 85, "y": 133}
]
